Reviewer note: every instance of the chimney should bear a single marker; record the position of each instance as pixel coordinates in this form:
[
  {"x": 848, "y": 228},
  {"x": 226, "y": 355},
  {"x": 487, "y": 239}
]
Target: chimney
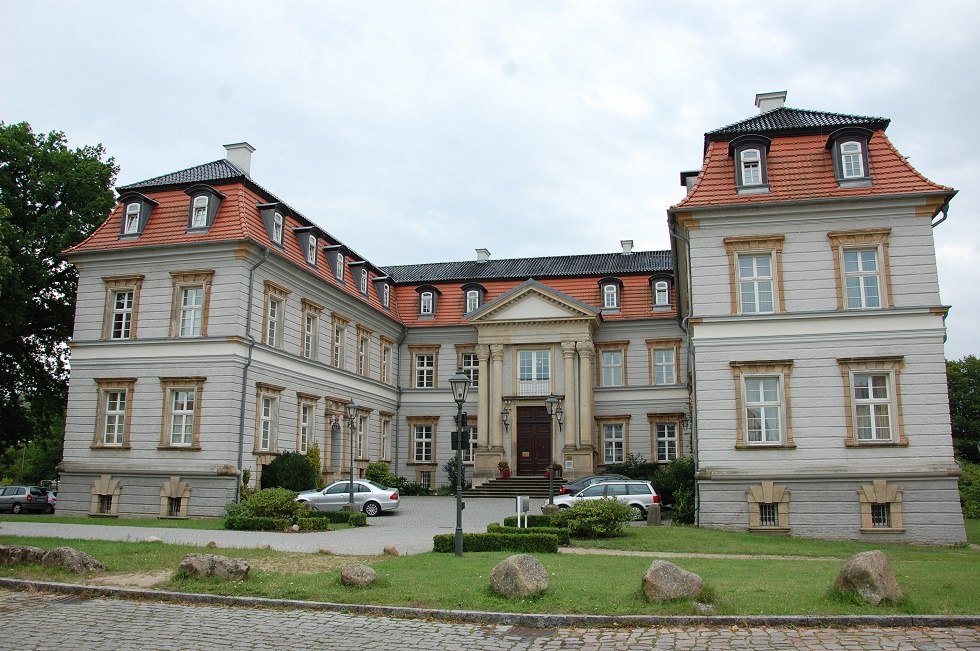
[
  {"x": 688, "y": 179},
  {"x": 482, "y": 255},
  {"x": 240, "y": 155},
  {"x": 627, "y": 246},
  {"x": 770, "y": 101}
]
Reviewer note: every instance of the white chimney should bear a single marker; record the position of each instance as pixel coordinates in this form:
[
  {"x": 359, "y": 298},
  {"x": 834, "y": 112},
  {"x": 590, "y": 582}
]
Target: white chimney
[
  {"x": 240, "y": 155},
  {"x": 482, "y": 255},
  {"x": 627, "y": 246},
  {"x": 770, "y": 101}
]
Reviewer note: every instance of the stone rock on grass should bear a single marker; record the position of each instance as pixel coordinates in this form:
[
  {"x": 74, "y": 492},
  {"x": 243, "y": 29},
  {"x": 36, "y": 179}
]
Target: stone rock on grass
[
  {"x": 13, "y": 554},
  {"x": 72, "y": 560},
  {"x": 358, "y": 575},
  {"x": 201, "y": 566},
  {"x": 391, "y": 550},
  {"x": 519, "y": 576},
  {"x": 664, "y": 581},
  {"x": 870, "y": 576}
]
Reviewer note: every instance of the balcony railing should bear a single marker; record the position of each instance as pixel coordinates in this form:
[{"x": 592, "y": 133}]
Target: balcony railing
[{"x": 533, "y": 387}]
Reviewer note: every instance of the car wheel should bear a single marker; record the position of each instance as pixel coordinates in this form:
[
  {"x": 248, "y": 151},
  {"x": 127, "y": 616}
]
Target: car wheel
[
  {"x": 563, "y": 506},
  {"x": 16, "y": 508},
  {"x": 49, "y": 509},
  {"x": 638, "y": 513},
  {"x": 372, "y": 509}
]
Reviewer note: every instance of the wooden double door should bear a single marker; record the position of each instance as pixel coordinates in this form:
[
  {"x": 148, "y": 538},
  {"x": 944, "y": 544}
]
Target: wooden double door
[{"x": 533, "y": 440}]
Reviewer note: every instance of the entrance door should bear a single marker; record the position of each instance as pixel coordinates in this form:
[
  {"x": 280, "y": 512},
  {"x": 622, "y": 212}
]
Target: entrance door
[{"x": 533, "y": 440}]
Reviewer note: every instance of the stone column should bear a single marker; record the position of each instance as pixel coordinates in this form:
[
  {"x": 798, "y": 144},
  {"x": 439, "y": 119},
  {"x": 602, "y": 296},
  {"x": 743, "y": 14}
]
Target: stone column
[
  {"x": 485, "y": 415},
  {"x": 571, "y": 404},
  {"x": 586, "y": 353},
  {"x": 496, "y": 392}
]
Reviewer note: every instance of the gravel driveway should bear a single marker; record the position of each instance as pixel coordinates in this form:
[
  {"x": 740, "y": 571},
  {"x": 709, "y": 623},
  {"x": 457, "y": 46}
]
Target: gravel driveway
[{"x": 410, "y": 529}]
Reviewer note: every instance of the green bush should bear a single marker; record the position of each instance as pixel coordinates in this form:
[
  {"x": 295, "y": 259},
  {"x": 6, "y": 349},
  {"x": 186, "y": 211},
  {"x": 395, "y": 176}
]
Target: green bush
[
  {"x": 683, "y": 512},
  {"x": 290, "y": 470},
  {"x": 532, "y": 521},
  {"x": 595, "y": 518},
  {"x": 269, "y": 503},
  {"x": 970, "y": 489},
  {"x": 497, "y": 542},
  {"x": 563, "y": 534},
  {"x": 412, "y": 488},
  {"x": 379, "y": 473},
  {"x": 313, "y": 458},
  {"x": 256, "y": 523},
  {"x": 357, "y": 519},
  {"x": 313, "y": 524}
]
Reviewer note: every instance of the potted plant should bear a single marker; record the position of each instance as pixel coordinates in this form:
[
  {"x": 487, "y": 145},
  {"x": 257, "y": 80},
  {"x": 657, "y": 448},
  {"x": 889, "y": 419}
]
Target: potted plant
[
  {"x": 553, "y": 468},
  {"x": 504, "y": 469}
]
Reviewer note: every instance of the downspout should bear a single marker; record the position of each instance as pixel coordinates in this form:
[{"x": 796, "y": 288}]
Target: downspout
[
  {"x": 248, "y": 363},
  {"x": 398, "y": 403}
]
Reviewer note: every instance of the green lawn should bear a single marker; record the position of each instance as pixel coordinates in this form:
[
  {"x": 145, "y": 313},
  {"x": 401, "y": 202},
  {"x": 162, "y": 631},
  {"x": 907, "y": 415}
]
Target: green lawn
[
  {"x": 935, "y": 580},
  {"x": 191, "y": 523}
]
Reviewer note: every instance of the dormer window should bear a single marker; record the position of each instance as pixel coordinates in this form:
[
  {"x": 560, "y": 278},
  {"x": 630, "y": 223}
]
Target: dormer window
[
  {"x": 203, "y": 206},
  {"x": 339, "y": 268},
  {"x": 473, "y": 294},
  {"x": 364, "y": 281},
  {"x": 311, "y": 250},
  {"x": 426, "y": 303},
  {"x": 849, "y": 151},
  {"x": 611, "y": 289},
  {"x": 751, "y": 168},
  {"x": 386, "y": 295},
  {"x": 852, "y": 160},
  {"x": 277, "y": 227},
  {"x": 383, "y": 289},
  {"x": 132, "y": 222},
  {"x": 199, "y": 212},
  {"x": 472, "y": 300},
  {"x": 274, "y": 218},
  {"x": 661, "y": 293}
]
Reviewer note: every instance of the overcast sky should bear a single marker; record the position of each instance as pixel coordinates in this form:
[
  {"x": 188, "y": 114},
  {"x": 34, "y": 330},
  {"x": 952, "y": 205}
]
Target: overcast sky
[{"x": 420, "y": 131}]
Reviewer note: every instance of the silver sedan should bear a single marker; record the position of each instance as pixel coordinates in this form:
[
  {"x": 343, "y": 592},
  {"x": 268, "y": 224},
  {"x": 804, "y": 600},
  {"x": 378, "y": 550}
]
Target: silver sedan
[{"x": 370, "y": 497}]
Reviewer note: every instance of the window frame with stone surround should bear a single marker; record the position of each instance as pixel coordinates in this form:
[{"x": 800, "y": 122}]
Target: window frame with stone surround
[
  {"x": 273, "y": 394},
  {"x": 305, "y": 421},
  {"x": 105, "y": 387},
  {"x": 425, "y": 366},
  {"x": 385, "y": 419},
  {"x": 310, "y": 320},
  {"x": 890, "y": 367},
  {"x": 780, "y": 369},
  {"x": 880, "y": 492},
  {"x": 432, "y": 423},
  {"x": 363, "y": 351},
  {"x": 170, "y": 387},
  {"x": 656, "y": 420},
  {"x": 606, "y": 352},
  {"x": 654, "y": 345},
  {"x": 604, "y": 422},
  {"x": 338, "y": 341},
  {"x": 387, "y": 359},
  {"x": 842, "y": 242},
  {"x": 755, "y": 245},
  {"x": 767, "y": 493},
  {"x": 274, "y": 324},
  {"x": 183, "y": 281},
  {"x": 129, "y": 315}
]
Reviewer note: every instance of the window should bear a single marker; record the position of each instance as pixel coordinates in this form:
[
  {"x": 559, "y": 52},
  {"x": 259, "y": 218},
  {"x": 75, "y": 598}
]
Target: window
[
  {"x": 267, "y": 417},
  {"x": 881, "y": 507},
  {"x": 105, "y": 504},
  {"x": 749, "y": 152},
  {"x": 469, "y": 363},
  {"x": 425, "y": 479},
  {"x": 534, "y": 372},
  {"x": 768, "y": 506},
  {"x": 663, "y": 356},
  {"x": 307, "y": 423},
  {"x": 422, "y": 443},
  {"x": 364, "y": 281},
  {"x": 189, "y": 310},
  {"x": 362, "y": 428},
  {"x": 755, "y": 269},
  {"x": 762, "y": 397},
  {"x": 131, "y": 225},
  {"x": 311, "y": 250},
  {"x": 613, "y": 443},
  {"x": 311, "y": 329},
  {"x": 386, "y": 349},
  {"x": 199, "y": 212},
  {"x": 472, "y": 300},
  {"x": 384, "y": 441},
  {"x": 661, "y": 293},
  {"x": 385, "y": 295},
  {"x": 114, "y": 412},
  {"x": 339, "y": 342},
  {"x": 852, "y": 160},
  {"x": 174, "y": 507},
  {"x": 862, "y": 269},
  {"x": 275, "y": 307},
  {"x": 425, "y": 303},
  {"x": 751, "y": 163},
  {"x": 666, "y": 442},
  {"x": 182, "y": 412},
  {"x": 122, "y": 307},
  {"x": 425, "y": 369},
  {"x": 363, "y": 342},
  {"x": 469, "y": 443},
  {"x": 610, "y": 296},
  {"x": 339, "y": 267},
  {"x": 871, "y": 387},
  {"x": 611, "y": 367},
  {"x": 849, "y": 152},
  {"x": 277, "y": 228}
]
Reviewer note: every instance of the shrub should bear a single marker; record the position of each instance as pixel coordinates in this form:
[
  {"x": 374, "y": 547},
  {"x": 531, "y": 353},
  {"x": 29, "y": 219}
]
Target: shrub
[
  {"x": 497, "y": 542},
  {"x": 313, "y": 524},
  {"x": 269, "y": 503},
  {"x": 452, "y": 470},
  {"x": 532, "y": 521},
  {"x": 379, "y": 473},
  {"x": 256, "y": 523},
  {"x": 563, "y": 534},
  {"x": 595, "y": 518},
  {"x": 678, "y": 474},
  {"x": 683, "y": 512},
  {"x": 357, "y": 519},
  {"x": 970, "y": 489},
  {"x": 289, "y": 470},
  {"x": 412, "y": 488},
  {"x": 313, "y": 458}
]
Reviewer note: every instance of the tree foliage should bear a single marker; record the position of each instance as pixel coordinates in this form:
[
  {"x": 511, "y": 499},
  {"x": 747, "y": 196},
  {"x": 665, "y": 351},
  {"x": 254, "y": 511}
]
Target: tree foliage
[
  {"x": 51, "y": 198},
  {"x": 289, "y": 470},
  {"x": 963, "y": 379}
]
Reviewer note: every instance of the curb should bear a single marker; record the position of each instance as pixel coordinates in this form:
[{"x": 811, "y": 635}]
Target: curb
[{"x": 511, "y": 619}]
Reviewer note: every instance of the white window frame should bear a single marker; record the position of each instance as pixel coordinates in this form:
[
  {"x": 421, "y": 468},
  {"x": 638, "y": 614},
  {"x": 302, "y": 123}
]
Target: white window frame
[
  {"x": 364, "y": 281},
  {"x": 612, "y": 367},
  {"x": 758, "y": 283},
  {"x": 469, "y": 448},
  {"x": 363, "y": 339},
  {"x": 385, "y": 295},
  {"x": 131, "y": 225},
  {"x": 362, "y": 428},
  {"x": 114, "y": 417},
  {"x": 311, "y": 326},
  {"x": 664, "y": 366},
  {"x": 852, "y": 160},
  {"x": 122, "y": 315},
  {"x": 191, "y": 319},
  {"x": 311, "y": 250},
  {"x": 425, "y": 370},
  {"x": 274, "y": 321},
  {"x": 384, "y": 440},
  {"x": 472, "y": 300},
  {"x": 277, "y": 228},
  {"x": 862, "y": 285},
  {"x": 426, "y": 302},
  {"x": 180, "y": 412},
  {"x": 339, "y": 271},
  {"x": 610, "y": 296},
  {"x": 339, "y": 344},
  {"x": 667, "y": 442},
  {"x": 756, "y": 397},
  {"x": 268, "y": 421},
  {"x": 661, "y": 293},
  {"x": 750, "y": 161},
  {"x": 613, "y": 443},
  {"x": 199, "y": 213},
  {"x": 307, "y": 426},
  {"x": 469, "y": 363},
  {"x": 422, "y": 443},
  {"x": 870, "y": 408},
  {"x": 386, "y": 349}
]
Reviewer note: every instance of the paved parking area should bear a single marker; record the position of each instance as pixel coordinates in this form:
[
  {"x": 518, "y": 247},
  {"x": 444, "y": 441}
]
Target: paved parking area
[
  {"x": 126, "y": 625},
  {"x": 410, "y": 529}
]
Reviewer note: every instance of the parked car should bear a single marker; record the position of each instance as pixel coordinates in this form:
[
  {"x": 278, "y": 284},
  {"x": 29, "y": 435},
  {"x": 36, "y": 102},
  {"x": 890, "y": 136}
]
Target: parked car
[
  {"x": 638, "y": 495},
  {"x": 369, "y": 496},
  {"x": 17, "y": 499},
  {"x": 579, "y": 484},
  {"x": 52, "y": 501}
]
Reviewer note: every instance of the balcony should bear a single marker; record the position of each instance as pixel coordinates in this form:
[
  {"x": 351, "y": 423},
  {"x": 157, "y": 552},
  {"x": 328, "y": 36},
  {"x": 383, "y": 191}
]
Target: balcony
[{"x": 533, "y": 387}]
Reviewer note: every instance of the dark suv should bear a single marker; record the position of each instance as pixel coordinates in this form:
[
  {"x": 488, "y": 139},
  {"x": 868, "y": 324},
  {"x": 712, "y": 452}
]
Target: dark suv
[{"x": 17, "y": 499}]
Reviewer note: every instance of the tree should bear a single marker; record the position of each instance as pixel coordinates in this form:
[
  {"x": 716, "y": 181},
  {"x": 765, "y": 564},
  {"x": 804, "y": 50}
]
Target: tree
[
  {"x": 51, "y": 198},
  {"x": 963, "y": 379}
]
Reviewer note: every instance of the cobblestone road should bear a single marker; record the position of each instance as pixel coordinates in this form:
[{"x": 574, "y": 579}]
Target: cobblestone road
[{"x": 49, "y": 621}]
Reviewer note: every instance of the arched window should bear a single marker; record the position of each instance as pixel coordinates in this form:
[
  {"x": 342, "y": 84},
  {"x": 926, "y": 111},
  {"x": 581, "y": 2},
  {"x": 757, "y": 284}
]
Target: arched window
[
  {"x": 751, "y": 163},
  {"x": 311, "y": 250},
  {"x": 851, "y": 160},
  {"x": 199, "y": 216},
  {"x": 425, "y": 303},
  {"x": 661, "y": 293},
  {"x": 472, "y": 299},
  {"x": 610, "y": 296},
  {"x": 132, "y": 218},
  {"x": 277, "y": 223}
]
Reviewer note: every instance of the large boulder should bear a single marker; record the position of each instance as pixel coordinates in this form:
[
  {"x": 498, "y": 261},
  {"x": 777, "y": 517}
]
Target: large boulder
[
  {"x": 201, "y": 566},
  {"x": 72, "y": 560},
  {"x": 664, "y": 581},
  {"x": 870, "y": 576},
  {"x": 13, "y": 554},
  {"x": 358, "y": 575},
  {"x": 519, "y": 576}
]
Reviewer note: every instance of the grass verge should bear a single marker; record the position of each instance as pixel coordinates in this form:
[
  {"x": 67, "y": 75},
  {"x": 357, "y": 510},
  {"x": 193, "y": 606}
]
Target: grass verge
[{"x": 162, "y": 523}]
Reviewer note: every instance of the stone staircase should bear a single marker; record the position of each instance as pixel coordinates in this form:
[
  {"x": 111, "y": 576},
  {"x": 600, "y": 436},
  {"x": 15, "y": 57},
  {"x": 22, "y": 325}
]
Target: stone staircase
[{"x": 514, "y": 486}]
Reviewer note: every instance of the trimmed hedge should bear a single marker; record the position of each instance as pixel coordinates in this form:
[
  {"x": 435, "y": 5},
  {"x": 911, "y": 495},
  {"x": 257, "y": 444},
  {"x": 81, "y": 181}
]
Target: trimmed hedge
[
  {"x": 357, "y": 519},
  {"x": 497, "y": 542},
  {"x": 338, "y": 517},
  {"x": 256, "y": 523},
  {"x": 563, "y": 534},
  {"x": 532, "y": 521}
]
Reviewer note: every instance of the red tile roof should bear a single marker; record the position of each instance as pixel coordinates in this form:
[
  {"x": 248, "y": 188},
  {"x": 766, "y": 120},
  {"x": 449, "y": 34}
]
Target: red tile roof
[{"x": 799, "y": 168}]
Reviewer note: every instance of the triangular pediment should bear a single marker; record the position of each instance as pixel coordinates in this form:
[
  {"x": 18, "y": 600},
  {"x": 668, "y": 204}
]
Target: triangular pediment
[{"x": 533, "y": 301}]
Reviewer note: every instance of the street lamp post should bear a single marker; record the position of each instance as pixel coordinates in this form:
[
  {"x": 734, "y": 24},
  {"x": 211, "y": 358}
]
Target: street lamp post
[
  {"x": 351, "y": 417},
  {"x": 460, "y": 384},
  {"x": 554, "y": 409}
]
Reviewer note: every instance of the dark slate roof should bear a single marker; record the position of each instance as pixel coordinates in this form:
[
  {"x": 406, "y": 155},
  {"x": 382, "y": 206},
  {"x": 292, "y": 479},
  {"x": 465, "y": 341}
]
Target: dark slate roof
[
  {"x": 219, "y": 170},
  {"x": 592, "y": 264},
  {"x": 789, "y": 120}
]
